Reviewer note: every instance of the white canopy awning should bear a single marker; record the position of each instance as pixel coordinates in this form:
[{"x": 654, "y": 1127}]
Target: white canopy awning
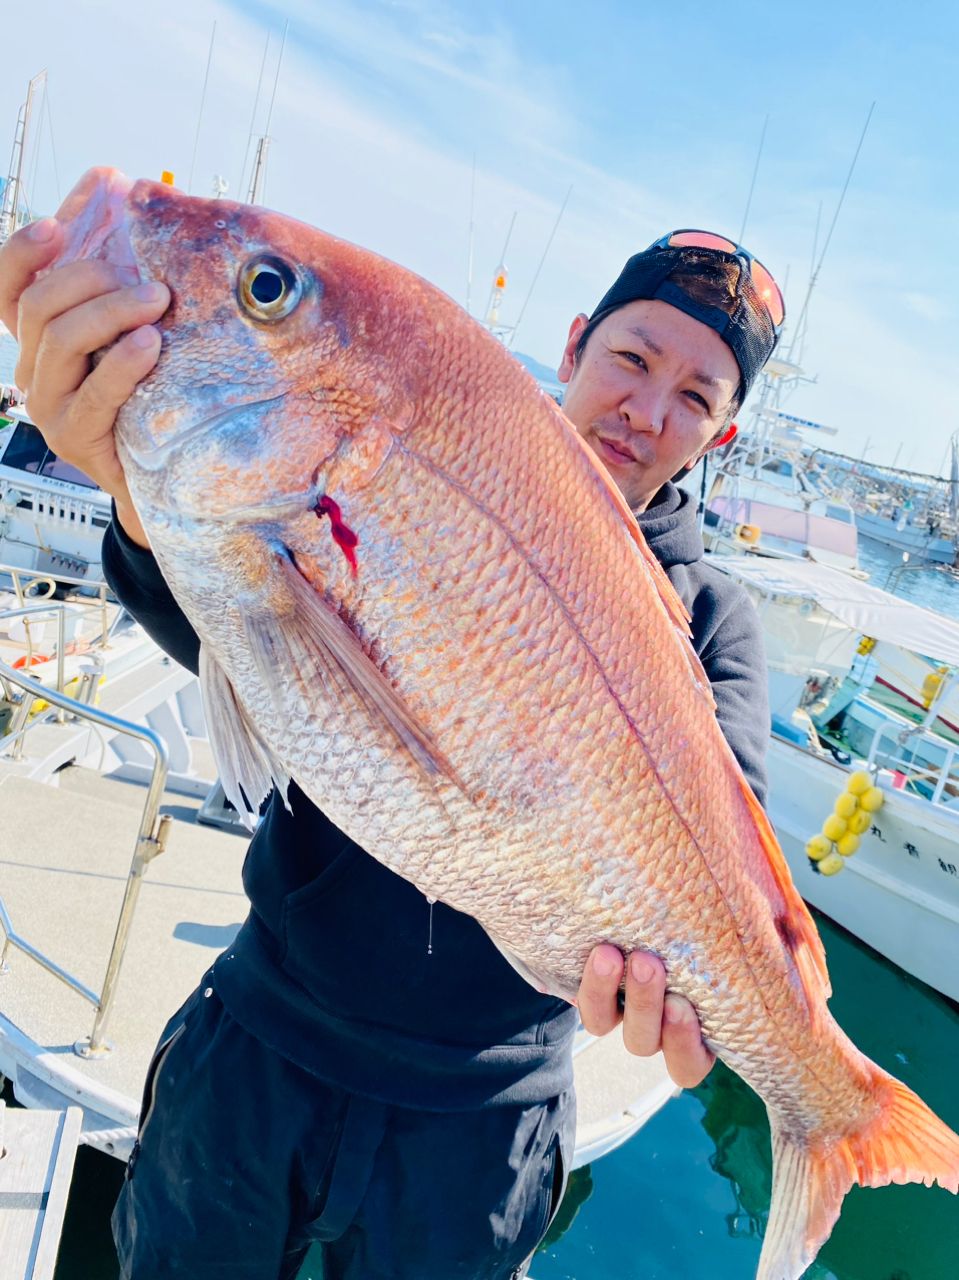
[{"x": 860, "y": 606}]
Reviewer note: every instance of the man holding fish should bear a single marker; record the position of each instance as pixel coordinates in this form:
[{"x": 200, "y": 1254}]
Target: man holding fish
[{"x": 364, "y": 1067}]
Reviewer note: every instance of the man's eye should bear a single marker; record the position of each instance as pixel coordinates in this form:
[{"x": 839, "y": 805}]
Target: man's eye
[
  {"x": 633, "y": 357},
  {"x": 698, "y": 399}
]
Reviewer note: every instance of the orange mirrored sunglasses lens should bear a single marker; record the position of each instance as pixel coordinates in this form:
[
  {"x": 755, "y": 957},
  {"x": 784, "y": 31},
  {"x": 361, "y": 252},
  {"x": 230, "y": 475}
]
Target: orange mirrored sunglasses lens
[
  {"x": 700, "y": 240},
  {"x": 769, "y": 291},
  {"x": 766, "y": 286}
]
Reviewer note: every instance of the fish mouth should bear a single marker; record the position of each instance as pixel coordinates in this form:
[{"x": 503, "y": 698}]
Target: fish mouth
[
  {"x": 283, "y": 507},
  {"x": 155, "y": 456},
  {"x": 286, "y": 507}
]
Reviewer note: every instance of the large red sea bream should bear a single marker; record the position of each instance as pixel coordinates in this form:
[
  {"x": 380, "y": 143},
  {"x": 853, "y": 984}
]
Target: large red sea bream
[{"x": 419, "y": 596}]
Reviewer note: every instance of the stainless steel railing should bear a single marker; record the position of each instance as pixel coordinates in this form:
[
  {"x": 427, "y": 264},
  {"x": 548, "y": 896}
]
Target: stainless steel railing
[{"x": 150, "y": 841}]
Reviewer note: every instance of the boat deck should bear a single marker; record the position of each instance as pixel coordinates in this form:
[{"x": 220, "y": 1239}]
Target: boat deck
[{"x": 64, "y": 896}]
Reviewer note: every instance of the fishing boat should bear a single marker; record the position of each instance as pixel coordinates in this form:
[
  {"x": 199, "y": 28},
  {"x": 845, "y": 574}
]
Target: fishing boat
[
  {"x": 763, "y": 495},
  {"x": 52, "y": 516},
  {"x": 905, "y": 511},
  {"x": 115, "y": 903},
  {"x": 827, "y": 637}
]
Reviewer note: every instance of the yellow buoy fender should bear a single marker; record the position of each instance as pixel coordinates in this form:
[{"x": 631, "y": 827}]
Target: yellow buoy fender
[
  {"x": 872, "y": 800},
  {"x": 860, "y": 822},
  {"x": 817, "y": 847}
]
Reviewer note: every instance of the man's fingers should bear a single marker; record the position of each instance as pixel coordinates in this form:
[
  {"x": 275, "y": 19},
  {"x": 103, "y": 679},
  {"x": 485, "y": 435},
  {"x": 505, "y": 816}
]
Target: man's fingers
[
  {"x": 64, "y": 344},
  {"x": 643, "y": 1017},
  {"x": 24, "y": 254},
  {"x": 59, "y": 292},
  {"x": 80, "y": 429},
  {"x": 688, "y": 1061},
  {"x": 598, "y": 1000}
]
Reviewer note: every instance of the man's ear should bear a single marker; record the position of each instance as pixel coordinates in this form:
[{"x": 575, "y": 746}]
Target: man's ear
[
  {"x": 567, "y": 364},
  {"x": 729, "y": 434}
]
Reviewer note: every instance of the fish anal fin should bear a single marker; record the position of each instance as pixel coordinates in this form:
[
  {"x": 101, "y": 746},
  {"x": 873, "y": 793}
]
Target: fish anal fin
[
  {"x": 796, "y": 927},
  {"x": 311, "y": 640},
  {"x": 903, "y": 1142},
  {"x": 247, "y": 767}
]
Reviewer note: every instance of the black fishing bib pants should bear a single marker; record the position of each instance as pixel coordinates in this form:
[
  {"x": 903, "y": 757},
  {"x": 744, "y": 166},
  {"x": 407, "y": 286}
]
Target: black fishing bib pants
[{"x": 244, "y": 1161}]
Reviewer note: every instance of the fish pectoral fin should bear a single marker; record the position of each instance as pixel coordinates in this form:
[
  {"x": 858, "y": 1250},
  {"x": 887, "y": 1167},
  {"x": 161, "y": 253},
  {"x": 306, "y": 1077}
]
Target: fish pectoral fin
[
  {"x": 248, "y": 768},
  {"x": 901, "y": 1142},
  {"x": 312, "y": 640}
]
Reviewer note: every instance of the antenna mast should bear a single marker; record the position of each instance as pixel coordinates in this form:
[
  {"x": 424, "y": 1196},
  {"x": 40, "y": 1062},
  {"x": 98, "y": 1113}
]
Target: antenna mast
[
  {"x": 13, "y": 193},
  {"x": 258, "y": 177}
]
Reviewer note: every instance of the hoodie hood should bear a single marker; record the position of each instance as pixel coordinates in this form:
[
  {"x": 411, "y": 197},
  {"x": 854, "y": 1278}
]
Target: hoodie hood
[{"x": 671, "y": 528}]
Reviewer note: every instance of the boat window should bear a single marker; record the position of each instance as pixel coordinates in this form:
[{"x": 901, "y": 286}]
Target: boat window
[
  {"x": 839, "y": 513},
  {"x": 27, "y": 451},
  {"x": 778, "y": 466}
]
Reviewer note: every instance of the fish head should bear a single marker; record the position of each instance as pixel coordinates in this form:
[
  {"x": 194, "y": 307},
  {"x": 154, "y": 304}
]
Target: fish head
[{"x": 281, "y": 347}]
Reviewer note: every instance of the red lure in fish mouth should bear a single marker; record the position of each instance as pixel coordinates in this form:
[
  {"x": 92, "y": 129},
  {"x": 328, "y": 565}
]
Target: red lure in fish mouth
[{"x": 343, "y": 535}]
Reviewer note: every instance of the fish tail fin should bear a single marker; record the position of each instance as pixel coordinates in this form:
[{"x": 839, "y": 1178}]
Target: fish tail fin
[{"x": 903, "y": 1142}]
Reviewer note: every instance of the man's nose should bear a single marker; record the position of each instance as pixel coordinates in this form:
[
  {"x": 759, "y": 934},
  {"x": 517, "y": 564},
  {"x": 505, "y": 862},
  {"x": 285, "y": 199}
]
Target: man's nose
[{"x": 644, "y": 409}]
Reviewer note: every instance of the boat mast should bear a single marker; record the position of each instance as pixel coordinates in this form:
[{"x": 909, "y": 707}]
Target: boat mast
[
  {"x": 559, "y": 218},
  {"x": 13, "y": 193},
  {"x": 258, "y": 176}
]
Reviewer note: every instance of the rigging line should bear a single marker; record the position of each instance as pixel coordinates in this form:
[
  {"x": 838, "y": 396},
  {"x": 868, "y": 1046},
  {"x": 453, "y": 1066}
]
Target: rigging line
[
  {"x": 469, "y": 251},
  {"x": 256, "y": 104},
  {"x": 35, "y": 157},
  {"x": 276, "y": 78},
  {"x": 269, "y": 116},
  {"x": 199, "y": 119},
  {"x": 501, "y": 263},
  {"x": 801, "y": 335},
  {"x": 53, "y": 148},
  {"x": 835, "y": 219},
  {"x": 559, "y": 216},
  {"x": 752, "y": 185}
]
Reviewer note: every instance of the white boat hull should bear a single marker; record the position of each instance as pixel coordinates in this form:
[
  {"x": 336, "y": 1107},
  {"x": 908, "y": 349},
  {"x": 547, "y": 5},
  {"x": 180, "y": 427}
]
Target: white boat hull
[
  {"x": 899, "y": 893},
  {"x": 912, "y": 538}
]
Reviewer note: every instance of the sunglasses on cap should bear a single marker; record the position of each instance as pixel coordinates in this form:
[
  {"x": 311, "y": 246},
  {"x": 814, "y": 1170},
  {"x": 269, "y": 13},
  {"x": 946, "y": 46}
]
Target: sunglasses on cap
[{"x": 763, "y": 282}]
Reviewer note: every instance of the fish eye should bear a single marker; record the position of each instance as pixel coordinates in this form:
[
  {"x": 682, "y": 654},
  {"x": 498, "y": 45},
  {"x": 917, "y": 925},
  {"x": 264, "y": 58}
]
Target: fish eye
[{"x": 268, "y": 288}]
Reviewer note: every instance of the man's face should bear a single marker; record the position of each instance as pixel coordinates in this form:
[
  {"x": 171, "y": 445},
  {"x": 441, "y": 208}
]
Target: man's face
[{"x": 648, "y": 394}]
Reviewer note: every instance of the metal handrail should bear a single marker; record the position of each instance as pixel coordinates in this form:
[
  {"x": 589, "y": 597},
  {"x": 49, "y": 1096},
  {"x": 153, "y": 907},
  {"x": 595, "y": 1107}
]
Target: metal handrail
[
  {"x": 914, "y": 772},
  {"x": 150, "y": 841},
  {"x": 34, "y": 579}
]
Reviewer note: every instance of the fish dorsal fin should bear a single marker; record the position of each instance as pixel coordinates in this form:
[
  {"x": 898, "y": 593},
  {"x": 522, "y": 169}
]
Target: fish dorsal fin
[
  {"x": 804, "y": 941},
  {"x": 667, "y": 592}
]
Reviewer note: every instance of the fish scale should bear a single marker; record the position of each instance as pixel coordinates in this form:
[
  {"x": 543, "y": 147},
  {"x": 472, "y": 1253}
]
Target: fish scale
[{"x": 501, "y": 704}]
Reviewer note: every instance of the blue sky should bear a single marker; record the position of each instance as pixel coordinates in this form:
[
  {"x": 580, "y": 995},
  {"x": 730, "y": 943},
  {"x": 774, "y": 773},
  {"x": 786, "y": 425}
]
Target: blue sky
[{"x": 652, "y": 114}]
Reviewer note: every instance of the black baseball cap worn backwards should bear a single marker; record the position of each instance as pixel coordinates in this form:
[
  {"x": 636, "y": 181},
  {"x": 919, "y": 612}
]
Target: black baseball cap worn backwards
[{"x": 747, "y": 328}]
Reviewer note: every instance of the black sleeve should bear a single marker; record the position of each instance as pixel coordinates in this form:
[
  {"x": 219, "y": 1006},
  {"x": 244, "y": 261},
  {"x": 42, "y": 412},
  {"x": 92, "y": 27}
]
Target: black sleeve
[
  {"x": 735, "y": 662},
  {"x": 135, "y": 579}
]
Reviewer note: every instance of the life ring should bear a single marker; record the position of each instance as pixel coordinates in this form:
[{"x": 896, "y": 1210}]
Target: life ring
[{"x": 34, "y": 661}]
